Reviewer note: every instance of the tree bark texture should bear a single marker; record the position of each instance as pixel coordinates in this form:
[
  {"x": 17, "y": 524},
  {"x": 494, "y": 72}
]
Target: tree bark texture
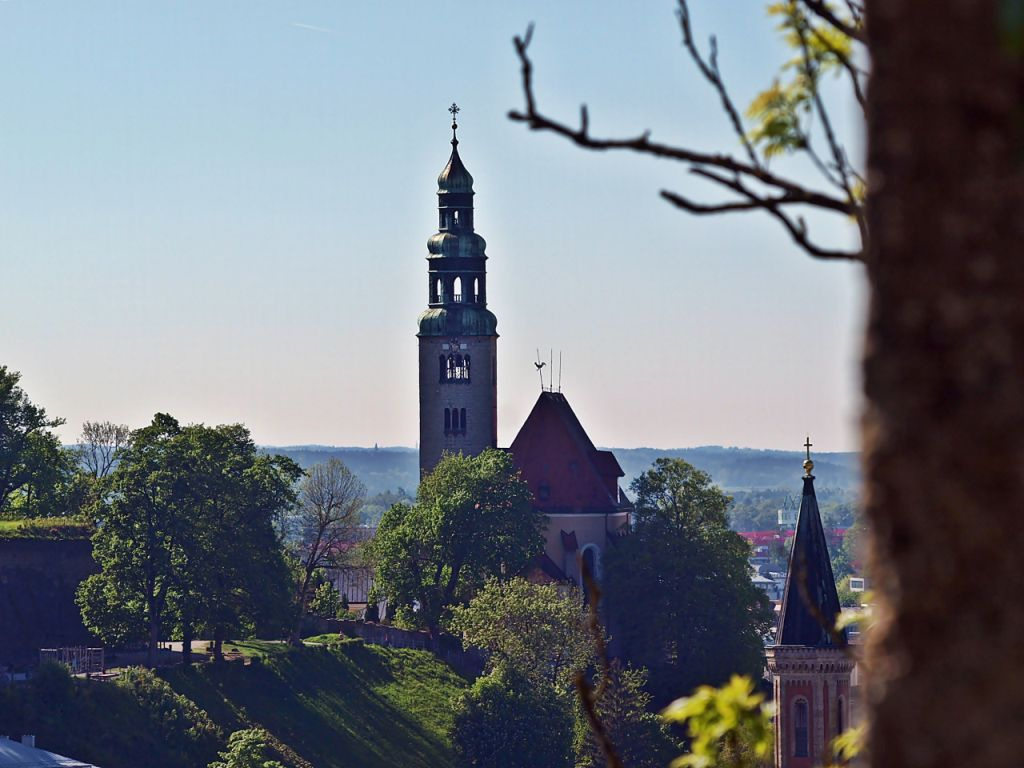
[{"x": 944, "y": 381}]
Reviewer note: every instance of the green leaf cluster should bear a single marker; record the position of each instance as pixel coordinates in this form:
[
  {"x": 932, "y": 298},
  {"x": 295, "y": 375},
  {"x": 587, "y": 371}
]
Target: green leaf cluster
[
  {"x": 246, "y": 749},
  {"x": 730, "y": 722},
  {"x": 781, "y": 113}
]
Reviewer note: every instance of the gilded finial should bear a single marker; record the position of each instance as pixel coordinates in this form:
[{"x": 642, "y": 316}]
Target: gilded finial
[
  {"x": 808, "y": 464},
  {"x": 454, "y": 109}
]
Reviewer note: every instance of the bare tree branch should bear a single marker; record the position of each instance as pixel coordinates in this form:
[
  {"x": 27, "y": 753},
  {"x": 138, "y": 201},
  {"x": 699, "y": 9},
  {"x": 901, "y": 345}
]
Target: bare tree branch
[
  {"x": 786, "y": 192},
  {"x": 796, "y": 228},
  {"x": 823, "y": 11},
  {"x": 644, "y": 145},
  {"x": 811, "y": 72},
  {"x": 712, "y": 74},
  {"x": 101, "y": 444}
]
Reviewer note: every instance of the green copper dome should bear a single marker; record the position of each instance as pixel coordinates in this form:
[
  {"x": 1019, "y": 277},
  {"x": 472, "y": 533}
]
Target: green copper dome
[
  {"x": 455, "y": 177},
  {"x": 462, "y": 244},
  {"x": 455, "y": 320}
]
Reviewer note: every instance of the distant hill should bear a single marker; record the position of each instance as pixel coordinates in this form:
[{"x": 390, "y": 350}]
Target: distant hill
[
  {"x": 735, "y": 469},
  {"x": 744, "y": 469},
  {"x": 380, "y": 469}
]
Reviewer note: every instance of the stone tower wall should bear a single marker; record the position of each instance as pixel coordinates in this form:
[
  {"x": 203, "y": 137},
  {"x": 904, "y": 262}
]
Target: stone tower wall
[{"x": 478, "y": 396}]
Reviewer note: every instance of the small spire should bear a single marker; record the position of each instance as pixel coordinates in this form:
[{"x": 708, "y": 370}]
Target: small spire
[
  {"x": 808, "y": 464},
  {"x": 454, "y": 109}
]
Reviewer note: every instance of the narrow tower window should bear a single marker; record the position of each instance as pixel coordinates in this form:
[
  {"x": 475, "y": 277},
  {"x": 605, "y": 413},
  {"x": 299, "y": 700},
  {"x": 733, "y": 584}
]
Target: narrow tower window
[
  {"x": 437, "y": 291},
  {"x": 462, "y": 420},
  {"x": 442, "y": 367},
  {"x": 447, "y": 421},
  {"x": 456, "y": 218},
  {"x": 800, "y": 734},
  {"x": 476, "y": 290},
  {"x": 457, "y": 289}
]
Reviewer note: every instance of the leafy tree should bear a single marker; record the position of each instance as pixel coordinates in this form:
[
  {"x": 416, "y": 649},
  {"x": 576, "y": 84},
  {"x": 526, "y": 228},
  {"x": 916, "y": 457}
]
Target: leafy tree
[
  {"x": 678, "y": 587},
  {"x": 185, "y": 535},
  {"x": 536, "y": 629},
  {"x": 330, "y": 498},
  {"x": 640, "y": 738},
  {"x": 472, "y": 520},
  {"x": 675, "y": 491},
  {"x": 505, "y": 721},
  {"x": 36, "y": 472},
  {"x": 246, "y": 749},
  {"x": 325, "y": 603},
  {"x": 847, "y": 559},
  {"x": 847, "y": 597}
]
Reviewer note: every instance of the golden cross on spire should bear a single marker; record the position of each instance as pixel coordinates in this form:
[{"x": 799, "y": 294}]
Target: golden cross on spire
[
  {"x": 808, "y": 464},
  {"x": 454, "y": 109},
  {"x": 808, "y": 445}
]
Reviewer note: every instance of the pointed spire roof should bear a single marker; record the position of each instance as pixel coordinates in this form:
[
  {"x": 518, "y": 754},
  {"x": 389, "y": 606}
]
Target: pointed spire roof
[
  {"x": 810, "y": 604},
  {"x": 455, "y": 177}
]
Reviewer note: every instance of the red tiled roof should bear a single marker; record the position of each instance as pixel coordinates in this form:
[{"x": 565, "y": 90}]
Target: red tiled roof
[{"x": 565, "y": 471}]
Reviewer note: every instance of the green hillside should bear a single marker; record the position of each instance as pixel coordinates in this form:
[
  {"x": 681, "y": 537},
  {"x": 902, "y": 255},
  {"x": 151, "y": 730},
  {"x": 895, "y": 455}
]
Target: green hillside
[{"x": 347, "y": 704}]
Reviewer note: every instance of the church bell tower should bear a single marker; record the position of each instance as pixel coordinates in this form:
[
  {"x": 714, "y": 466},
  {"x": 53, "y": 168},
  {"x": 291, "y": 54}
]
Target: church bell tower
[{"x": 457, "y": 333}]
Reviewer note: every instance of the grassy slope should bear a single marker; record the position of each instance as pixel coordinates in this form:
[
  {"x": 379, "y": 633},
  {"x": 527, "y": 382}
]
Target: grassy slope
[
  {"x": 45, "y": 528},
  {"x": 346, "y": 705},
  {"x": 343, "y": 705}
]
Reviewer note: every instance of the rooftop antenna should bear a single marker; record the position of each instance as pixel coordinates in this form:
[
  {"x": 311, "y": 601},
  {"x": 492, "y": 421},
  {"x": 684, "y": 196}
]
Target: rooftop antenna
[
  {"x": 540, "y": 370},
  {"x": 559, "y": 371}
]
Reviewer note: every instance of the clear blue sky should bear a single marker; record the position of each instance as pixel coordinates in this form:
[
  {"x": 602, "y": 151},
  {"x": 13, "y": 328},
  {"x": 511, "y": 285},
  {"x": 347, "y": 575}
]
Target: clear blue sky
[{"x": 220, "y": 210}]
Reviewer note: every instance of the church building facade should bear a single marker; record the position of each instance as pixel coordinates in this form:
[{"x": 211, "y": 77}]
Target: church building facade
[{"x": 573, "y": 484}]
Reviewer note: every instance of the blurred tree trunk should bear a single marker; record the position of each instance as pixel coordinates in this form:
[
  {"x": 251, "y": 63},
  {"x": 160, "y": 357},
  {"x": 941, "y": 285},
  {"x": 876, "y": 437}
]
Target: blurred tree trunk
[{"x": 944, "y": 381}]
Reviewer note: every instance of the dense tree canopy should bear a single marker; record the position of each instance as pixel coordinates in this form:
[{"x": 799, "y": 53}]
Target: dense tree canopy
[
  {"x": 472, "y": 520},
  {"x": 505, "y": 721},
  {"x": 678, "y": 587},
  {"x": 37, "y": 474},
  {"x": 536, "y": 629},
  {"x": 185, "y": 536}
]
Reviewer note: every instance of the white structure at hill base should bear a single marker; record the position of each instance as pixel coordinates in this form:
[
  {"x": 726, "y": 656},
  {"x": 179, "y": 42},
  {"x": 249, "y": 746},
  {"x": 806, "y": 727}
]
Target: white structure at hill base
[{"x": 23, "y": 754}]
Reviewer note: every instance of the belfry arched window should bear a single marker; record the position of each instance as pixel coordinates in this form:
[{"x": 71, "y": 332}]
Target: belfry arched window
[
  {"x": 457, "y": 289},
  {"x": 801, "y": 734},
  {"x": 456, "y": 368}
]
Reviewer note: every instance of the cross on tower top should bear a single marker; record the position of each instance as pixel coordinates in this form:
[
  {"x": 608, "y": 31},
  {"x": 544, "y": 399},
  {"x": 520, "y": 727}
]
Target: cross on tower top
[
  {"x": 454, "y": 109},
  {"x": 808, "y": 445}
]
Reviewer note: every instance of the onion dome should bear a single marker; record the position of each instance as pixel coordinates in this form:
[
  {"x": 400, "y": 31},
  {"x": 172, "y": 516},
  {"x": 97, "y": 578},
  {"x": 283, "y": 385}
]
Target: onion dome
[{"x": 455, "y": 177}]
